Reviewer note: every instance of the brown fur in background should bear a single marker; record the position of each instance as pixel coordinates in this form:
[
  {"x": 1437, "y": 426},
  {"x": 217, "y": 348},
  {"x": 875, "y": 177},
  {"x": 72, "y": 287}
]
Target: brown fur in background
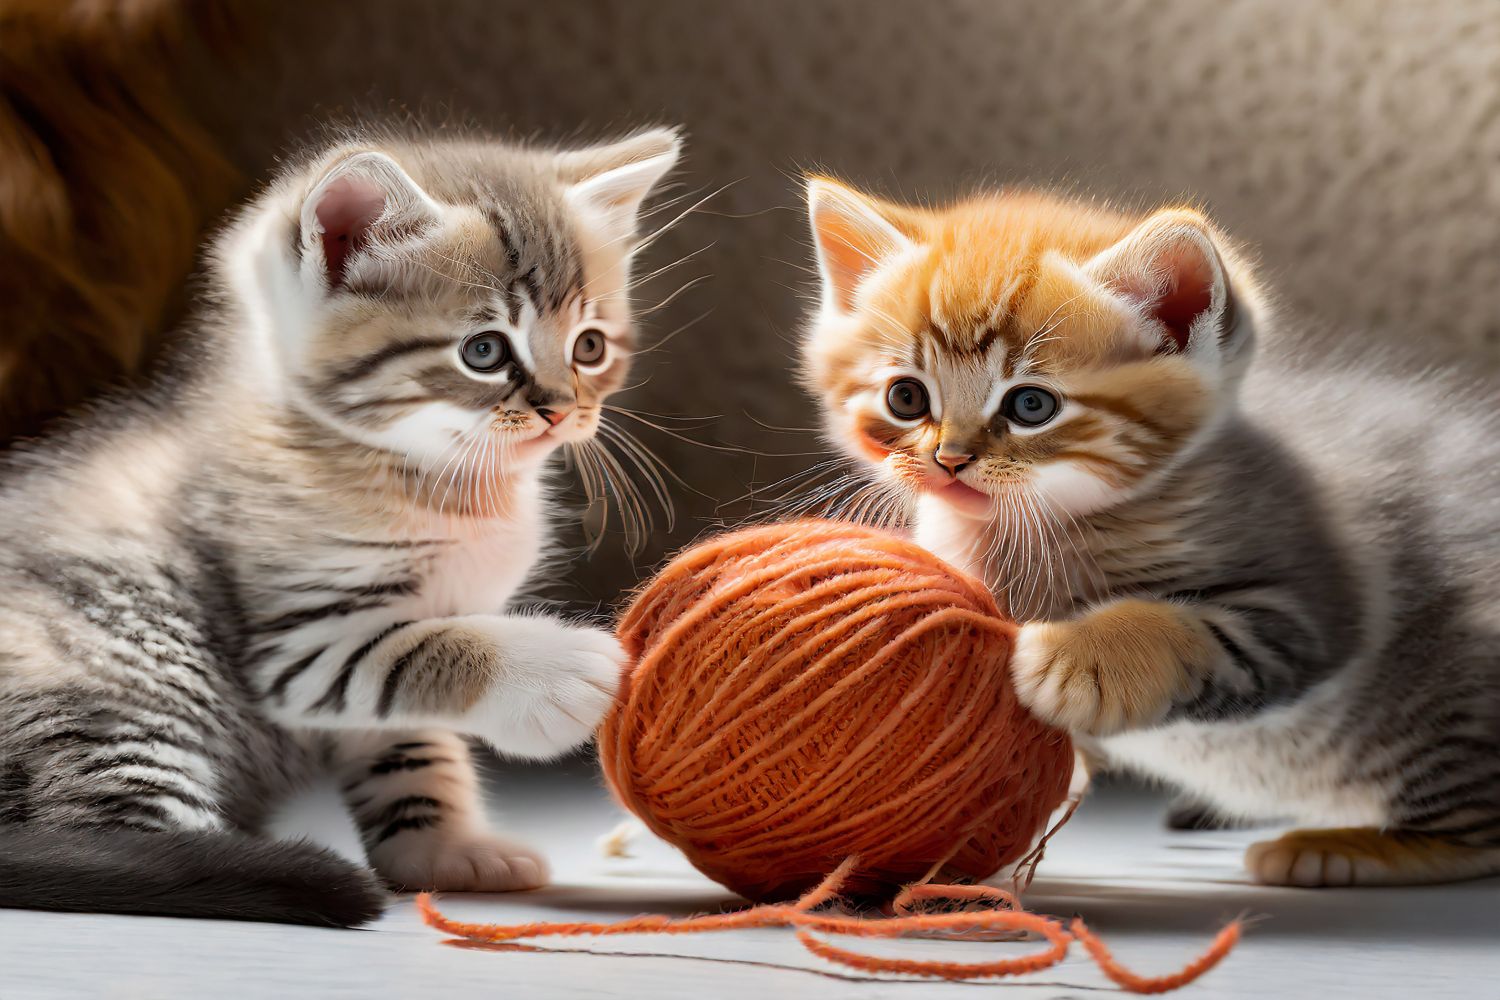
[{"x": 106, "y": 184}]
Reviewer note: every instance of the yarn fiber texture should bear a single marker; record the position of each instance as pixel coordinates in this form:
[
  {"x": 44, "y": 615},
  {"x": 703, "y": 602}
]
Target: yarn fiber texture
[{"x": 809, "y": 692}]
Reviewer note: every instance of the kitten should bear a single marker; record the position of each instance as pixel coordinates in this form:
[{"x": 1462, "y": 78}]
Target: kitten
[
  {"x": 1250, "y": 560},
  {"x": 304, "y": 546}
]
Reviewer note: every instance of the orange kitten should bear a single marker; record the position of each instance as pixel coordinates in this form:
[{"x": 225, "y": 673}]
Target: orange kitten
[{"x": 1224, "y": 557}]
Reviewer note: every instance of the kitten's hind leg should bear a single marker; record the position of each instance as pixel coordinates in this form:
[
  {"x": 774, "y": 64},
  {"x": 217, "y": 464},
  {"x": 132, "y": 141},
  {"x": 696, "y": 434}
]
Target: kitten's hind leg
[
  {"x": 93, "y": 759},
  {"x": 416, "y": 800},
  {"x": 1367, "y": 856},
  {"x": 114, "y": 802}
]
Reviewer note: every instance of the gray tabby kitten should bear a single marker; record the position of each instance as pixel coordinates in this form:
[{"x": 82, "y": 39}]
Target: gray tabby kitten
[
  {"x": 1253, "y": 561},
  {"x": 301, "y": 551}
]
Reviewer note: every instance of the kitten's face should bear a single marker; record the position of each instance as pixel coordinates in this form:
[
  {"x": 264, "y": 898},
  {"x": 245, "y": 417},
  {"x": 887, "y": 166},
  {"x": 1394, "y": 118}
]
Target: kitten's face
[
  {"x": 462, "y": 302},
  {"x": 1018, "y": 351}
]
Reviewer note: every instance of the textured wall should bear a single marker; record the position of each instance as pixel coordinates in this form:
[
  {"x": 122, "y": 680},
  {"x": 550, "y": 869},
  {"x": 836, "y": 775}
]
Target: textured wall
[{"x": 1355, "y": 143}]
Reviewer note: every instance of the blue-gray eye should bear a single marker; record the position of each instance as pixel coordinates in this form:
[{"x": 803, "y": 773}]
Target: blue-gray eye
[
  {"x": 486, "y": 352},
  {"x": 1029, "y": 406},
  {"x": 907, "y": 399}
]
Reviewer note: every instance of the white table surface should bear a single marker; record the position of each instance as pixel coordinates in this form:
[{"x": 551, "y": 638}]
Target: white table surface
[{"x": 1156, "y": 896}]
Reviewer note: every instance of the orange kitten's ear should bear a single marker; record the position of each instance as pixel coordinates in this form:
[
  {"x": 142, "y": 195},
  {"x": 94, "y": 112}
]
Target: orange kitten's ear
[
  {"x": 1170, "y": 267},
  {"x": 854, "y": 234},
  {"x": 358, "y": 196}
]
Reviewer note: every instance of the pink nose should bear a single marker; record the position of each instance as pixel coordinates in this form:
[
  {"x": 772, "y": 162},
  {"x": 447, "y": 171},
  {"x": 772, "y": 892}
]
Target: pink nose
[
  {"x": 954, "y": 462},
  {"x": 553, "y": 417}
]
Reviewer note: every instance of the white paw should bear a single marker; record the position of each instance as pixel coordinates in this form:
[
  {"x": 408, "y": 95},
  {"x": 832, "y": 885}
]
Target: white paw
[
  {"x": 559, "y": 680},
  {"x": 1310, "y": 866},
  {"x": 459, "y": 862}
]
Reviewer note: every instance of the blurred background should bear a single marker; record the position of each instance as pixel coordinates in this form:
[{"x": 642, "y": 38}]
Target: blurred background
[{"x": 1353, "y": 144}]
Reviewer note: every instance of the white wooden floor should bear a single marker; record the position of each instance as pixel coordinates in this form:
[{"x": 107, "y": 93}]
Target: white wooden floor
[{"x": 1157, "y": 897}]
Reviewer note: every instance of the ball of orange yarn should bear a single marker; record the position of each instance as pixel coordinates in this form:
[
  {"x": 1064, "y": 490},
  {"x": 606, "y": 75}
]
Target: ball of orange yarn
[{"x": 805, "y": 692}]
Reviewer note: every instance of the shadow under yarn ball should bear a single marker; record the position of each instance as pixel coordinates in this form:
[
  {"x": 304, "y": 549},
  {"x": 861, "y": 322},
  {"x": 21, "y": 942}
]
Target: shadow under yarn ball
[{"x": 808, "y": 692}]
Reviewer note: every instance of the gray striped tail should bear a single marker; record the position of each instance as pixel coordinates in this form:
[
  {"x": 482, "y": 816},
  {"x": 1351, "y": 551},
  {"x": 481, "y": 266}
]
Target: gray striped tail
[{"x": 209, "y": 874}]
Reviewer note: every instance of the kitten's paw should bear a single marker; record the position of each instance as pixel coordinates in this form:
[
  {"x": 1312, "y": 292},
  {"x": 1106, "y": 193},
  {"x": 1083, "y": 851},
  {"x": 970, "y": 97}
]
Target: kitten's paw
[
  {"x": 559, "y": 682},
  {"x": 1365, "y": 856},
  {"x": 459, "y": 862},
  {"x": 1116, "y": 668}
]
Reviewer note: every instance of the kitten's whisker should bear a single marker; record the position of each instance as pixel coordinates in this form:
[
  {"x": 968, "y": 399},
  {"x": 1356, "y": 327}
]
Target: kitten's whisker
[
  {"x": 459, "y": 469},
  {"x": 822, "y": 498},
  {"x": 492, "y": 289},
  {"x": 1046, "y": 324},
  {"x": 636, "y": 516},
  {"x": 640, "y": 280},
  {"x": 666, "y": 339},
  {"x": 789, "y": 484},
  {"x": 703, "y": 420},
  {"x": 457, "y": 450},
  {"x": 661, "y": 231},
  {"x": 594, "y": 481},
  {"x": 894, "y": 327},
  {"x": 773, "y": 427},
  {"x": 636, "y": 282},
  {"x": 730, "y": 449},
  {"x": 650, "y": 465},
  {"x": 691, "y": 283}
]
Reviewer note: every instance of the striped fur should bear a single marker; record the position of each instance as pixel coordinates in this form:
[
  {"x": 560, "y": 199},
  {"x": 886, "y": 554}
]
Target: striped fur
[
  {"x": 1253, "y": 560},
  {"x": 298, "y": 549}
]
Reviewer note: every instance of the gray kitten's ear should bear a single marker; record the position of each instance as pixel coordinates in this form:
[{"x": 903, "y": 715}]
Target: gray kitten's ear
[
  {"x": 610, "y": 182},
  {"x": 359, "y": 198},
  {"x": 853, "y": 234},
  {"x": 1170, "y": 268}
]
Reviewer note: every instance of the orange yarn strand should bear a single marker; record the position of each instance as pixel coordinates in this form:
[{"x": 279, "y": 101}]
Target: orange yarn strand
[
  {"x": 1226, "y": 939},
  {"x": 798, "y": 915}
]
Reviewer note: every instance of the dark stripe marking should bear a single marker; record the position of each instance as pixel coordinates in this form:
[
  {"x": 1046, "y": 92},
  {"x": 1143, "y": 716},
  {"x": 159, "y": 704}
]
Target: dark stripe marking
[
  {"x": 394, "y": 675},
  {"x": 375, "y": 359},
  {"x": 337, "y": 695}
]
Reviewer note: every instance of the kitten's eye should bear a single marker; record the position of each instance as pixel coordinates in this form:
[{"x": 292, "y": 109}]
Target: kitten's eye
[
  {"x": 486, "y": 352},
  {"x": 589, "y": 348},
  {"x": 907, "y": 399},
  {"x": 1029, "y": 406}
]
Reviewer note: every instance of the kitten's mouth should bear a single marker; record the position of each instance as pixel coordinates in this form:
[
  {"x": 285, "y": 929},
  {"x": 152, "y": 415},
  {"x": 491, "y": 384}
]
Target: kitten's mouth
[
  {"x": 964, "y": 498},
  {"x": 537, "y": 441}
]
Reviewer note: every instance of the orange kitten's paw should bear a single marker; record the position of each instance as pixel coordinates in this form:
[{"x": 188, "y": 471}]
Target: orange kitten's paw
[
  {"x": 1116, "y": 668},
  {"x": 1365, "y": 856},
  {"x": 472, "y": 862}
]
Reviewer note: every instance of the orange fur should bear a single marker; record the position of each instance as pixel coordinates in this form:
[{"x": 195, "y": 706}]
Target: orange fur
[
  {"x": 1366, "y": 856},
  {"x": 985, "y": 291},
  {"x": 1117, "y": 667}
]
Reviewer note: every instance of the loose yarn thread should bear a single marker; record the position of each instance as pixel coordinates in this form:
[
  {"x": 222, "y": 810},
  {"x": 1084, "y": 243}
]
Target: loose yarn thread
[{"x": 1004, "y": 914}]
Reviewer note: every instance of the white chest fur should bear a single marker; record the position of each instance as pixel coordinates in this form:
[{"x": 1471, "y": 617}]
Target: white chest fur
[
  {"x": 481, "y": 565},
  {"x": 480, "y": 575}
]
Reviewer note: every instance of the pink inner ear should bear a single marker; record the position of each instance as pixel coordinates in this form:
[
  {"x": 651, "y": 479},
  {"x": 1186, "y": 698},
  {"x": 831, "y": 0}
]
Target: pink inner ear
[
  {"x": 1188, "y": 297},
  {"x": 346, "y": 209}
]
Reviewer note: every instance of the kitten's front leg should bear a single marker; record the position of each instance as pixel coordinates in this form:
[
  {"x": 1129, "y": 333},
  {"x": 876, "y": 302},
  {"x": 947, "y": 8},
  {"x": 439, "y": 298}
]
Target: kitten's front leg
[
  {"x": 1120, "y": 666},
  {"x": 421, "y": 816},
  {"x": 530, "y": 686}
]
